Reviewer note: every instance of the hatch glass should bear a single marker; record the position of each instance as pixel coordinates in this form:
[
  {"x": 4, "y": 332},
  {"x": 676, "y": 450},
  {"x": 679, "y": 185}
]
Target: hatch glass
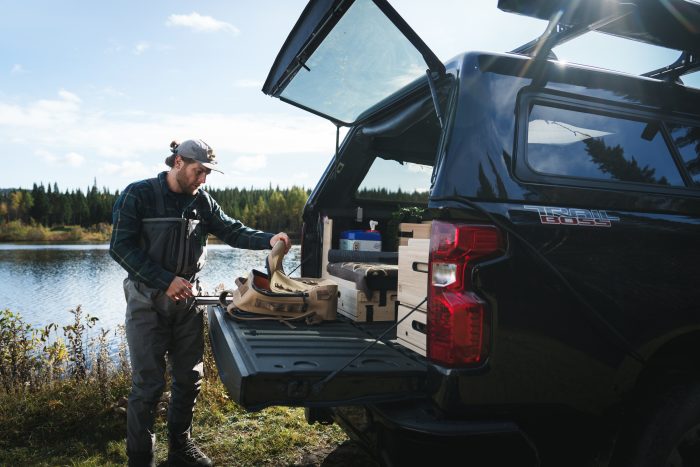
[{"x": 364, "y": 59}]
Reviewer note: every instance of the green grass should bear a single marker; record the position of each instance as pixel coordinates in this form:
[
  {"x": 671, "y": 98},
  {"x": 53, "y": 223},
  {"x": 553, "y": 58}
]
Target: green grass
[
  {"x": 67, "y": 417},
  {"x": 67, "y": 425}
]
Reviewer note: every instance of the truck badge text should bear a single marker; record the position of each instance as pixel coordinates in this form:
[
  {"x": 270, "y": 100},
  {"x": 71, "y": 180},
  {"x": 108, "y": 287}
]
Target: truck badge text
[{"x": 573, "y": 216}]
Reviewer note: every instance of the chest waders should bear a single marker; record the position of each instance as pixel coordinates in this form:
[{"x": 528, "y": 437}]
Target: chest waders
[
  {"x": 156, "y": 326},
  {"x": 179, "y": 245}
]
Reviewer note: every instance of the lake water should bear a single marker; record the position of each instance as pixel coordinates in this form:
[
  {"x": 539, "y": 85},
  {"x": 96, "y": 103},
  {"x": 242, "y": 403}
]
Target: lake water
[{"x": 44, "y": 282}]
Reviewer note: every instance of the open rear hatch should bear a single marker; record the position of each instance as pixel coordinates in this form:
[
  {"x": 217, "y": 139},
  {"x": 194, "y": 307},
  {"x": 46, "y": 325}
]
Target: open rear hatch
[
  {"x": 346, "y": 59},
  {"x": 264, "y": 363}
]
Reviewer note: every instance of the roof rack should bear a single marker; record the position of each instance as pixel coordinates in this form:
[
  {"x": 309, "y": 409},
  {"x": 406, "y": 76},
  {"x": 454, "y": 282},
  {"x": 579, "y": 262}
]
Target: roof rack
[
  {"x": 558, "y": 33},
  {"x": 673, "y": 24},
  {"x": 688, "y": 62}
]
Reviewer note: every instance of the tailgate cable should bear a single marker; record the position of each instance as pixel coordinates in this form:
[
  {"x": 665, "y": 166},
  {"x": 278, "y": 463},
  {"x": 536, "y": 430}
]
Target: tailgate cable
[{"x": 318, "y": 386}]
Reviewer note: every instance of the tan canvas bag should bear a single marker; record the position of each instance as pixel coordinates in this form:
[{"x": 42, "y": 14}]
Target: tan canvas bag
[{"x": 278, "y": 296}]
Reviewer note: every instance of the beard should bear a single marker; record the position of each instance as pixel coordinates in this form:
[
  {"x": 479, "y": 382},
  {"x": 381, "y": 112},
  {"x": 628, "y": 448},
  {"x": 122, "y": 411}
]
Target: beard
[{"x": 184, "y": 184}]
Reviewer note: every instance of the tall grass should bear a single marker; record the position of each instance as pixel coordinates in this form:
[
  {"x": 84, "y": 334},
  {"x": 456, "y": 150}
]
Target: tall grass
[
  {"x": 17, "y": 231},
  {"x": 63, "y": 395}
]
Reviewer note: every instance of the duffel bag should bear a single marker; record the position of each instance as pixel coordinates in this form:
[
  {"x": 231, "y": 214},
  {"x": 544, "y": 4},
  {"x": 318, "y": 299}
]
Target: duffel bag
[{"x": 278, "y": 296}]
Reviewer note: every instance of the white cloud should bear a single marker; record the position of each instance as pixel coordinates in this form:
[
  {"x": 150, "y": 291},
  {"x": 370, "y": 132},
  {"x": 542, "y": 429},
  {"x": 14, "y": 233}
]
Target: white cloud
[
  {"x": 114, "y": 47},
  {"x": 109, "y": 91},
  {"x": 69, "y": 96},
  {"x": 74, "y": 159},
  {"x": 119, "y": 147},
  {"x": 44, "y": 154},
  {"x": 418, "y": 168},
  {"x": 129, "y": 169},
  {"x": 141, "y": 47},
  {"x": 251, "y": 163},
  {"x": 64, "y": 124},
  {"x": 17, "y": 69},
  {"x": 71, "y": 159},
  {"x": 281, "y": 174},
  {"x": 121, "y": 173},
  {"x": 200, "y": 23},
  {"x": 49, "y": 114}
]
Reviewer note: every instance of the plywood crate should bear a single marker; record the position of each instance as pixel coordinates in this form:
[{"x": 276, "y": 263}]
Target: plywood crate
[
  {"x": 354, "y": 304},
  {"x": 326, "y": 245},
  {"x": 413, "y": 272},
  {"x": 408, "y": 230},
  {"x": 411, "y": 331}
]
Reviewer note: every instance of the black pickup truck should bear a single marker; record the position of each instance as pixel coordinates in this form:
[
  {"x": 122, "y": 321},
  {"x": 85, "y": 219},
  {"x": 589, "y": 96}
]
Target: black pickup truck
[{"x": 557, "y": 318}]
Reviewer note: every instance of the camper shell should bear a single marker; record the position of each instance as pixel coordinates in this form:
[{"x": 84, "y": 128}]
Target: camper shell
[{"x": 569, "y": 200}]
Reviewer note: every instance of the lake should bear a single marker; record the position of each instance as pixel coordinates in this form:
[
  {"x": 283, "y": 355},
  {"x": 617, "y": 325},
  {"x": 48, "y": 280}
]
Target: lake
[{"x": 44, "y": 282}]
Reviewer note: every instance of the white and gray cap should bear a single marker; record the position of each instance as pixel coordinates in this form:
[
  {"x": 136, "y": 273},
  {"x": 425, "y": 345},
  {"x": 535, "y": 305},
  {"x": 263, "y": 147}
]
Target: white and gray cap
[{"x": 197, "y": 150}]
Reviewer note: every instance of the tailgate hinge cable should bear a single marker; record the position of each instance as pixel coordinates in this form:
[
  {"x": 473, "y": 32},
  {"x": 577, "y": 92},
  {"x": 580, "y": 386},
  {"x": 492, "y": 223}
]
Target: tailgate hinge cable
[{"x": 318, "y": 386}]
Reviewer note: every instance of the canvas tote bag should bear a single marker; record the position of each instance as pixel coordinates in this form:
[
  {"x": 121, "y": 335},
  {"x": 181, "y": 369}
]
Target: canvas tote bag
[{"x": 278, "y": 296}]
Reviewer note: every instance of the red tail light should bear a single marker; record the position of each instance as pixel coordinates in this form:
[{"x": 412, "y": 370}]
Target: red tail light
[{"x": 458, "y": 320}]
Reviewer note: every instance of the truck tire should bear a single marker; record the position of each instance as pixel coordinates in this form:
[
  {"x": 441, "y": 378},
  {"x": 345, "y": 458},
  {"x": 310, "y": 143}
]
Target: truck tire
[{"x": 667, "y": 432}]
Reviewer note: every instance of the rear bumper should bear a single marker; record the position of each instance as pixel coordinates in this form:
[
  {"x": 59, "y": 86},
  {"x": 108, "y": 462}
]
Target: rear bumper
[
  {"x": 423, "y": 418},
  {"x": 417, "y": 434}
]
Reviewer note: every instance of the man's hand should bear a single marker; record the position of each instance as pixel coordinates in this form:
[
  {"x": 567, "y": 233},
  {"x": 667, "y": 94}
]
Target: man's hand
[
  {"x": 282, "y": 237},
  {"x": 179, "y": 289}
]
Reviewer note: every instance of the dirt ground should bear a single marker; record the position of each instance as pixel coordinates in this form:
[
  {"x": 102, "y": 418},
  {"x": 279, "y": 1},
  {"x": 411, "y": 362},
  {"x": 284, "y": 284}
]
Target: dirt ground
[{"x": 348, "y": 454}]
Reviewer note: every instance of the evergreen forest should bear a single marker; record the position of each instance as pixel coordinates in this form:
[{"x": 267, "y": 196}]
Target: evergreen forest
[{"x": 270, "y": 209}]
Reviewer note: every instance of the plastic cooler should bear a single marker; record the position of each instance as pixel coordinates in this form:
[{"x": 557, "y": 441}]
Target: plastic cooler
[{"x": 361, "y": 240}]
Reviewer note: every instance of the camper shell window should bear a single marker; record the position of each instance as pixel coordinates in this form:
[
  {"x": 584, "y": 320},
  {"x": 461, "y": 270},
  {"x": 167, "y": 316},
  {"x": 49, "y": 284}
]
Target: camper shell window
[
  {"x": 565, "y": 141},
  {"x": 687, "y": 139}
]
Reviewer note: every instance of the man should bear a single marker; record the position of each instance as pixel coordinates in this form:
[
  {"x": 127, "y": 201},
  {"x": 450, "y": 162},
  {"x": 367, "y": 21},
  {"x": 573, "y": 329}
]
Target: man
[{"x": 159, "y": 236}]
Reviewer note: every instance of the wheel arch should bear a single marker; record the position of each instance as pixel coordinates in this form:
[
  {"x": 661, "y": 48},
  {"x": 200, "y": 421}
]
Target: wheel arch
[{"x": 675, "y": 361}]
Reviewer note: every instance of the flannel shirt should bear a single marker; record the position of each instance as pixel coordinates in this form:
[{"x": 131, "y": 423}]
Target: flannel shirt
[{"x": 137, "y": 202}]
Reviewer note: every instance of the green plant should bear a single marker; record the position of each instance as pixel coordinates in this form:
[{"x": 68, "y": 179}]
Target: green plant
[
  {"x": 409, "y": 214},
  {"x": 75, "y": 333},
  {"x": 390, "y": 238},
  {"x": 55, "y": 354},
  {"x": 103, "y": 365},
  {"x": 18, "y": 344},
  {"x": 63, "y": 419}
]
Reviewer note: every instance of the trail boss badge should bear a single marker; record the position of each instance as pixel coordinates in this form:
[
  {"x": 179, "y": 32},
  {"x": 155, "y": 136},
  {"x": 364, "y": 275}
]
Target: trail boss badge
[{"x": 573, "y": 216}]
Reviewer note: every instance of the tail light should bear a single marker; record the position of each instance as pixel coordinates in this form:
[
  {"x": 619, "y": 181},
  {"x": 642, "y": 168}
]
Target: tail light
[{"x": 458, "y": 321}]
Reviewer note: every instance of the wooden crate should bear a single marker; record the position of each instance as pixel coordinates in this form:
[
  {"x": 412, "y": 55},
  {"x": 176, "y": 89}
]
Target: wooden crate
[
  {"x": 357, "y": 306},
  {"x": 409, "y": 230},
  {"x": 411, "y": 331},
  {"x": 413, "y": 272},
  {"x": 326, "y": 245}
]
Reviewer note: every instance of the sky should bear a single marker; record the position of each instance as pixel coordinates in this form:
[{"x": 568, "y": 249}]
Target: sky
[{"x": 94, "y": 92}]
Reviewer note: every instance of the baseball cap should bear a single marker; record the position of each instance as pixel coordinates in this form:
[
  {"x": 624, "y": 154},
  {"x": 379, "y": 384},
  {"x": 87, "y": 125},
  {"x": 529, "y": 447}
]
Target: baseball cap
[{"x": 197, "y": 150}]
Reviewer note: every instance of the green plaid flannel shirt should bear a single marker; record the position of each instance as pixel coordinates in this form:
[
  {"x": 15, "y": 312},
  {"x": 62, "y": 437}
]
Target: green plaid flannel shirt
[{"x": 137, "y": 202}]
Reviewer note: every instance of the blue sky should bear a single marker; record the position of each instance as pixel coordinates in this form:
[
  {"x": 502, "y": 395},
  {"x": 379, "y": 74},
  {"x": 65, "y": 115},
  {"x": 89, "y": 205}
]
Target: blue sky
[{"x": 97, "y": 90}]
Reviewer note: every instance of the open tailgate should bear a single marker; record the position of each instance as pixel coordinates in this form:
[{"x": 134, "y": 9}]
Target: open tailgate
[{"x": 265, "y": 363}]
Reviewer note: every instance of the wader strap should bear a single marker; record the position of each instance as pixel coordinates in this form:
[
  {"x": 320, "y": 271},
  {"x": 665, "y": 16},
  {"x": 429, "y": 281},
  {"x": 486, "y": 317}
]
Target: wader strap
[{"x": 158, "y": 192}]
